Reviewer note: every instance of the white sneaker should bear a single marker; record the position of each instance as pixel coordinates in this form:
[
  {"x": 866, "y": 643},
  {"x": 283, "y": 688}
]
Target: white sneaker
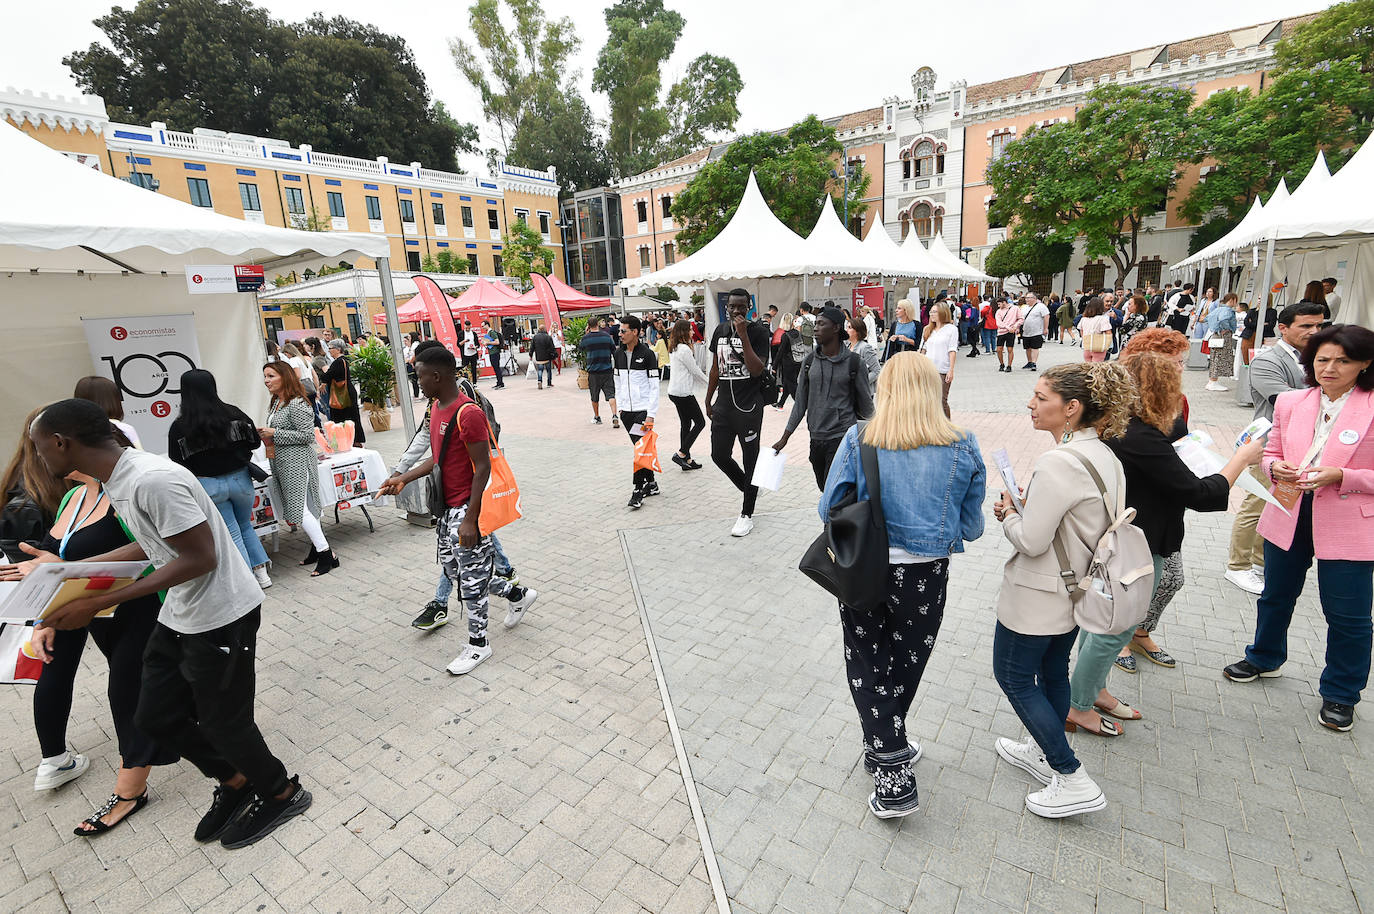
[
  {"x": 50, "y": 776},
  {"x": 742, "y": 526},
  {"x": 517, "y": 609},
  {"x": 1067, "y": 795},
  {"x": 467, "y": 661},
  {"x": 1246, "y": 580},
  {"x": 1027, "y": 756},
  {"x": 1213, "y": 385},
  {"x": 260, "y": 573}
]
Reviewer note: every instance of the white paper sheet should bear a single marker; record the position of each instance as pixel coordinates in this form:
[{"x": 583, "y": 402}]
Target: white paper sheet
[
  {"x": 25, "y": 600},
  {"x": 768, "y": 469},
  {"x": 1194, "y": 450},
  {"x": 1003, "y": 461}
]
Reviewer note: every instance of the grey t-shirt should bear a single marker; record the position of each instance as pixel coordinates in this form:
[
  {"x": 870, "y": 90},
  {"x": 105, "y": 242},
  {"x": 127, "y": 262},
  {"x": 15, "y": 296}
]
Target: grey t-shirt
[
  {"x": 1034, "y": 324},
  {"x": 157, "y": 498}
]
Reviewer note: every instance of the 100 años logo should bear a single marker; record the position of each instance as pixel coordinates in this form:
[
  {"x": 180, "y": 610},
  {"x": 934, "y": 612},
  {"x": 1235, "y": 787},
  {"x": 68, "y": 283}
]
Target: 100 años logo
[{"x": 144, "y": 376}]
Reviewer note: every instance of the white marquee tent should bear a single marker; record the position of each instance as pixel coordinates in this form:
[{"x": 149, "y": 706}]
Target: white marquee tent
[
  {"x": 357, "y": 285},
  {"x": 943, "y": 255},
  {"x": 77, "y": 243},
  {"x": 924, "y": 261}
]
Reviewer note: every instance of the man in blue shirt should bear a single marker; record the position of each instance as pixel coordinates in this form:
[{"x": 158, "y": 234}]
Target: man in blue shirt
[{"x": 599, "y": 347}]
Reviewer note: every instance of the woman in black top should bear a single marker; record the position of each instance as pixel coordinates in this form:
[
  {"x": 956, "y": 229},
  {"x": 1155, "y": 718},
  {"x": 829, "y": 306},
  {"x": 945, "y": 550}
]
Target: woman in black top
[
  {"x": 216, "y": 440},
  {"x": 339, "y": 388},
  {"x": 87, "y": 527}
]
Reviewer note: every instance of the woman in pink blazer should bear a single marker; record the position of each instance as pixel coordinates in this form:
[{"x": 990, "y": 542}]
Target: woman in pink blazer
[{"x": 1321, "y": 452}]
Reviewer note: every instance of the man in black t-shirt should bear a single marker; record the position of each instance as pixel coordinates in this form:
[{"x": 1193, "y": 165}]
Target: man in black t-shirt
[{"x": 734, "y": 402}]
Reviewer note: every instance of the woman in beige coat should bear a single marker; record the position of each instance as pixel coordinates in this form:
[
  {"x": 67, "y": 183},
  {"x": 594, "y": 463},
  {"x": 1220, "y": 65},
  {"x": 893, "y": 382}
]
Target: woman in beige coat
[{"x": 1079, "y": 405}]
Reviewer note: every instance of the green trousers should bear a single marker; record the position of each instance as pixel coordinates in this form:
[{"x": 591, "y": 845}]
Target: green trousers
[{"x": 1095, "y": 656}]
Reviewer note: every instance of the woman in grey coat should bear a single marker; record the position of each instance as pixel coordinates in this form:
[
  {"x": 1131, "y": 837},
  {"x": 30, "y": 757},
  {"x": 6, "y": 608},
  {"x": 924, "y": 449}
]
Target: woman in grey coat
[
  {"x": 289, "y": 436},
  {"x": 858, "y": 342}
]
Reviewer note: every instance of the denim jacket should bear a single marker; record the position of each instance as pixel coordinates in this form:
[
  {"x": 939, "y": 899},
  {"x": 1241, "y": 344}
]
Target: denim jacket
[{"x": 932, "y": 495}]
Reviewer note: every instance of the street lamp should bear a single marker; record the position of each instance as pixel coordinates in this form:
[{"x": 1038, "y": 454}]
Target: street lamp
[
  {"x": 845, "y": 178},
  {"x": 963, "y": 254}
]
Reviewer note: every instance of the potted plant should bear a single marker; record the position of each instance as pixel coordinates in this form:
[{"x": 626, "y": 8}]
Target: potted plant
[
  {"x": 374, "y": 371},
  {"x": 574, "y": 329}
]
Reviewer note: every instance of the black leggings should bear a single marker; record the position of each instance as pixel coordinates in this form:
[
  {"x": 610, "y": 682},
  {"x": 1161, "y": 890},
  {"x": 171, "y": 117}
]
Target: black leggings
[
  {"x": 121, "y": 639},
  {"x": 790, "y": 373},
  {"x": 727, "y": 425},
  {"x": 691, "y": 419}
]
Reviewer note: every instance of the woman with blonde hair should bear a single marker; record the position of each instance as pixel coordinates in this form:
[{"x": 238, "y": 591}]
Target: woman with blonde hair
[
  {"x": 886, "y": 649},
  {"x": 905, "y": 330},
  {"x": 1081, "y": 405}
]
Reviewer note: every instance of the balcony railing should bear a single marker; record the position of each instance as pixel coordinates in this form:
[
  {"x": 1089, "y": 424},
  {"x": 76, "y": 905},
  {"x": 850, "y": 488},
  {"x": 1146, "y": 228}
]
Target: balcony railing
[{"x": 346, "y": 163}]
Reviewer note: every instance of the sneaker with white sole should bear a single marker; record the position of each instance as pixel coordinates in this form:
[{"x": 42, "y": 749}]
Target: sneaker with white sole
[
  {"x": 55, "y": 775},
  {"x": 876, "y": 807},
  {"x": 1067, "y": 795},
  {"x": 468, "y": 660},
  {"x": 742, "y": 526},
  {"x": 1246, "y": 580},
  {"x": 260, "y": 573},
  {"x": 518, "y": 607},
  {"x": 1213, "y": 385},
  {"x": 1027, "y": 756},
  {"x": 615, "y": 422}
]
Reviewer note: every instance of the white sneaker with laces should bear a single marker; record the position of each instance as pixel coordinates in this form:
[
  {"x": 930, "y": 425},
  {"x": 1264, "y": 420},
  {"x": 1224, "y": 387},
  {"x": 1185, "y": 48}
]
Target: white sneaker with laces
[
  {"x": 260, "y": 573},
  {"x": 1213, "y": 385},
  {"x": 1067, "y": 795},
  {"x": 742, "y": 526},
  {"x": 468, "y": 660},
  {"x": 1246, "y": 580},
  {"x": 55, "y": 775},
  {"x": 517, "y": 609},
  {"x": 1027, "y": 756}
]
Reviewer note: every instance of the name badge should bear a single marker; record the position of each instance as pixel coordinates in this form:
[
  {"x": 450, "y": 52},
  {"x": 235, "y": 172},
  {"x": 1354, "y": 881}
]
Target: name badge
[{"x": 1349, "y": 436}]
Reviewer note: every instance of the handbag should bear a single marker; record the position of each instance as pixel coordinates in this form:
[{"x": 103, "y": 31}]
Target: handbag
[
  {"x": 849, "y": 558},
  {"x": 340, "y": 396},
  {"x": 18, "y": 664}
]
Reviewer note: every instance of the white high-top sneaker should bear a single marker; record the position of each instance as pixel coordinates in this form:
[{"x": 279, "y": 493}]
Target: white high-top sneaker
[
  {"x": 1027, "y": 756},
  {"x": 1067, "y": 795}
]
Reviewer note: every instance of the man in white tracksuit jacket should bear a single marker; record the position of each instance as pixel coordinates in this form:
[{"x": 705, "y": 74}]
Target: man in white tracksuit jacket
[{"x": 636, "y": 393}]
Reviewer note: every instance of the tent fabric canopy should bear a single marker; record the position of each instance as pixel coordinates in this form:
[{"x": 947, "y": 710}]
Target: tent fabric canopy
[
  {"x": 57, "y": 215},
  {"x": 943, "y": 255},
  {"x": 924, "y": 261},
  {"x": 482, "y": 299},
  {"x": 568, "y": 298},
  {"x": 357, "y": 285}
]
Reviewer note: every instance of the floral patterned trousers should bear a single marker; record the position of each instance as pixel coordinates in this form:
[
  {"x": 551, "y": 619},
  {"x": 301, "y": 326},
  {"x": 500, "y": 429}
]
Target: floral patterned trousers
[{"x": 885, "y": 653}]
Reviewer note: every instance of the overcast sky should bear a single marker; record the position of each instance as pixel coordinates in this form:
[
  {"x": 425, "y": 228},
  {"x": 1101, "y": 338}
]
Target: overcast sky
[{"x": 814, "y": 58}]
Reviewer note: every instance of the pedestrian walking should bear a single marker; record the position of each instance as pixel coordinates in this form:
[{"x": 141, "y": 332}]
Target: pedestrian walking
[
  {"x": 735, "y": 401},
  {"x": 682, "y": 383},
  {"x": 491, "y": 339},
  {"x": 598, "y": 347},
  {"x": 1008, "y": 322},
  {"x": 886, "y": 650},
  {"x": 636, "y": 389},
  {"x": 942, "y": 348}
]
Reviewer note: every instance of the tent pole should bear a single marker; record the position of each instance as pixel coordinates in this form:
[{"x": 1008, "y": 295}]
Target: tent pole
[
  {"x": 1264, "y": 293},
  {"x": 398, "y": 356}
]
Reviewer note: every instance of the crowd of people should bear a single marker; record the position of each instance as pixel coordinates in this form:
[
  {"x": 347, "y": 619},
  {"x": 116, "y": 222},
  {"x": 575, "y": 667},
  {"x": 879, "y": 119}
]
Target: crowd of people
[{"x": 180, "y": 649}]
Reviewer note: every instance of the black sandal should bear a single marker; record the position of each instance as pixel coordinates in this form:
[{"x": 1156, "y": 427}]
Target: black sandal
[
  {"x": 328, "y": 561},
  {"x": 310, "y": 557},
  {"x": 98, "y": 827}
]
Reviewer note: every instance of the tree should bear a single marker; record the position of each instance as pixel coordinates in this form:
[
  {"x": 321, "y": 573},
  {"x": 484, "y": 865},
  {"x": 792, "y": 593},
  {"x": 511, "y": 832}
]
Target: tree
[
  {"x": 640, "y": 37},
  {"x": 703, "y": 102},
  {"x": 1099, "y": 176},
  {"x": 307, "y": 311},
  {"x": 1026, "y": 256},
  {"x": 1343, "y": 31},
  {"x": 514, "y": 70},
  {"x": 523, "y": 252},
  {"x": 563, "y": 133},
  {"x": 226, "y": 64},
  {"x": 1253, "y": 140},
  {"x": 445, "y": 262},
  {"x": 794, "y": 170},
  {"x": 666, "y": 293}
]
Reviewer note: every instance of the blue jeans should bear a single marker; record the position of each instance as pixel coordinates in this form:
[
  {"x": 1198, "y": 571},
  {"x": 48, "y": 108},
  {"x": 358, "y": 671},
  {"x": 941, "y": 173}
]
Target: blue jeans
[
  {"x": 989, "y": 338},
  {"x": 1345, "y": 588},
  {"x": 233, "y": 495},
  {"x": 501, "y": 568},
  {"x": 1033, "y": 671},
  {"x": 543, "y": 368}
]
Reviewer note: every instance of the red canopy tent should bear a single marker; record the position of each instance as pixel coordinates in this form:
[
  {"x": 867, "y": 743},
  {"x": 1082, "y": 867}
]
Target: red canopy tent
[
  {"x": 569, "y": 299},
  {"x": 479, "y": 301}
]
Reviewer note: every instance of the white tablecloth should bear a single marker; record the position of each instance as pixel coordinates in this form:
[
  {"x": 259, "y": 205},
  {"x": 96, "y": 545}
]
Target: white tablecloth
[{"x": 347, "y": 479}]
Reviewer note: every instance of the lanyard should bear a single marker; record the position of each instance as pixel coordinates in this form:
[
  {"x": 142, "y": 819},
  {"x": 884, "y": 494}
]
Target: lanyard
[{"x": 78, "y": 519}]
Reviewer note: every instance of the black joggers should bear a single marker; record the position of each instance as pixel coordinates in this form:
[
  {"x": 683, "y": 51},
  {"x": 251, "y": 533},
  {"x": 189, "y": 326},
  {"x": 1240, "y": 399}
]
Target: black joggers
[
  {"x": 197, "y": 699},
  {"x": 728, "y": 424},
  {"x": 690, "y": 420}
]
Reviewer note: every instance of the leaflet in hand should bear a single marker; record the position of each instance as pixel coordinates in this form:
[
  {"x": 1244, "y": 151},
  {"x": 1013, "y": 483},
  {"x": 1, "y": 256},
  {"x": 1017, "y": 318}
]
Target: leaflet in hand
[
  {"x": 47, "y": 586},
  {"x": 1003, "y": 461},
  {"x": 768, "y": 469},
  {"x": 1194, "y": 449}
]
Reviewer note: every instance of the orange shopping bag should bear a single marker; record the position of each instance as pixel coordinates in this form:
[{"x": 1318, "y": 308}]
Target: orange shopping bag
[
  {"x": 646, "y": 452},
  {"x": 501, "y": 498}
]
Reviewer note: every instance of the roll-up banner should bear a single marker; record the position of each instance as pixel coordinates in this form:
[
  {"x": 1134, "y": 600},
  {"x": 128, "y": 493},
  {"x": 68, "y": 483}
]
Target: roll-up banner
[{"x": 145, "y": 357}]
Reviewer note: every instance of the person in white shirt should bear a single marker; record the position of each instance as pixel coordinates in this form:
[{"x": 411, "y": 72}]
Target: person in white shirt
[
  {"x": 1033, "y": 322},
  {"x": 1333, "y": 299},
  {"x": 942, "y": 348},
  {"x": 871, "y": 324}
]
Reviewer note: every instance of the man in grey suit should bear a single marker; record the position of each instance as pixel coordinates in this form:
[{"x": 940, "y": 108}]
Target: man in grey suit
[{"x": 1276, "y": 370}]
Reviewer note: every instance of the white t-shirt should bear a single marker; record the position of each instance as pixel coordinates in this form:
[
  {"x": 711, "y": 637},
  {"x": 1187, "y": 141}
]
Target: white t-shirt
[
  {"x": 1034, "y": 322},
  {"x": 302, "y": 368},
  {"x": 157, "y": 498},
  {"x": 941, "y": 342}
]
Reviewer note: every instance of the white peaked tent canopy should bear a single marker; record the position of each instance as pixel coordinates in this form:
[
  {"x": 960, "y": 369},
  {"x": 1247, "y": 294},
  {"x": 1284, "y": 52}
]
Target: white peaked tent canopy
[
  {"x": 831, "y": 243},
  {"x": 924, "y": 262},
  {"x": 942, "y": 254},
  {"x": 1217, "y": 248},
  {"x": 76, "y": 243}
]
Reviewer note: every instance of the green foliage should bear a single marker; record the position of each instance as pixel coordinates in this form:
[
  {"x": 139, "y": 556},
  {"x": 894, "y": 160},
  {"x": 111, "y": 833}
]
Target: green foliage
[
  {"x": 445, "y": 262},
  {"x": 523, "y": 252},
  {"x": 373, "y": 371},
  {"x": 1343, "y": 31},
  {"x": 574, "y": 328},
  {"x": 344, "y": 87},
  {"x": 640, "y": 37},
  {"x": 666, "y": 293},
  {"x": 1213, "y": 229},
  {"x": 515, "y": 70},
  {"x": 1099, "y": 176},
  {"x": 307, "y": 311},
  {"x": 696, "y": 299},
  {"x": 563, "y": 133},
  {"x": 794, "y": 171},
  {"x": 703, "y": 102},
  {"x": 1026, "y": 256},
  {"x": 1256, "y": 139}
]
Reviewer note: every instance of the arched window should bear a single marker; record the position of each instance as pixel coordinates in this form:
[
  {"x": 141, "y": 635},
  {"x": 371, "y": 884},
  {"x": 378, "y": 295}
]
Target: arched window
[
  {"x": 906, "y": 225},
  {"x": 924, "y": 156},
  {"x": 921, "y": 218}
]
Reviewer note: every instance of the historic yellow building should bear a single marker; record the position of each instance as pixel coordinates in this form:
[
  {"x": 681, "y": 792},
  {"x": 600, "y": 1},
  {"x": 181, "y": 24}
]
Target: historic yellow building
[{"x": 423, "y": 212}]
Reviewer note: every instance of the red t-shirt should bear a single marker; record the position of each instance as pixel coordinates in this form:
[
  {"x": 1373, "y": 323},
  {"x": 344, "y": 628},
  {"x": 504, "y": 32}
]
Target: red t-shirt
[{"x": 456, "y": 468}]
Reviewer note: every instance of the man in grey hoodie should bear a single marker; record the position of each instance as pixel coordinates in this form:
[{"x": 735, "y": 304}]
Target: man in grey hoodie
[{"x": 832, "y": 393}]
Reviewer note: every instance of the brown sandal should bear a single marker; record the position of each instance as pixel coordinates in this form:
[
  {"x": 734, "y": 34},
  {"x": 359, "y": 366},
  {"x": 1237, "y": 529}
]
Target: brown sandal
[{"x": 1109, "y": 727}]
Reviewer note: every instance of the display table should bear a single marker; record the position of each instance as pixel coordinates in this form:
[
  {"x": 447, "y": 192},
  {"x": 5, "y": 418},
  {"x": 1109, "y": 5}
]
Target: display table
[{"x": 348, "y": 479}]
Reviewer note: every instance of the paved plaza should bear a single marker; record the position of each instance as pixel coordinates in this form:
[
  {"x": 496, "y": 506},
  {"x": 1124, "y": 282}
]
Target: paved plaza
[{"x": 550, "y": 779}]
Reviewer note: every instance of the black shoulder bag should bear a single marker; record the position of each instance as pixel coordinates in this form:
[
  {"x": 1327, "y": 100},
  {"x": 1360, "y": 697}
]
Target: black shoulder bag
[{"x": 849, "y": 558}]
